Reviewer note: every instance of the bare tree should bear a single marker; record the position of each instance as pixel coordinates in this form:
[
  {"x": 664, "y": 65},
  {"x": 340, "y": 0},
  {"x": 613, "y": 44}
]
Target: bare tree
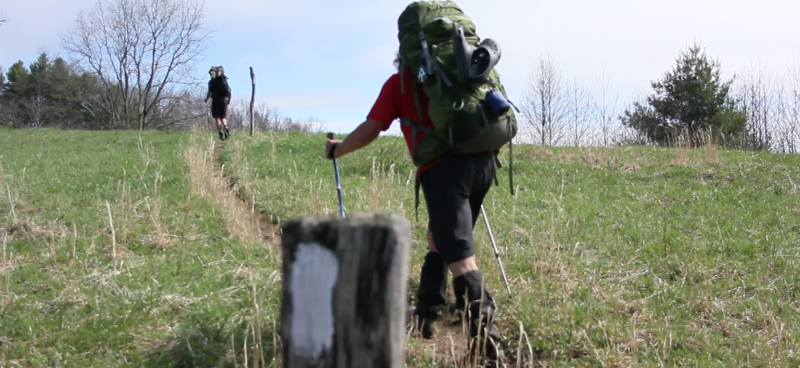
[
  {"x": 265, "y": 118},
  {"x": 579, "y": 106},
  {"x": 758, "y": 94},
  {"x": 143, "y": 52},
  {"x": 545, "y": 103},
  {"x": 268, "y": 118},
  {"x": 239, "y": 114},
  {"x": 605, "y": 107},
  {"x": 314, "y": 124},
  {"x": 789, "y": 109},
  {"x": 181, "y": 112}
]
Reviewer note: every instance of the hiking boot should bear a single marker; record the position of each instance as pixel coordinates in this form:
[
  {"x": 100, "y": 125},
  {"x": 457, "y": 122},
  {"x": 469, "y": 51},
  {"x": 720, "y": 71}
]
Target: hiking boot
[
  {"x": 487, "y": 348},
  {"x": 227, "y": 132},
  {"x": 479, "y": 307},
  {"x": 221, "y": 136},
  {"x": 432, "y": 293}
]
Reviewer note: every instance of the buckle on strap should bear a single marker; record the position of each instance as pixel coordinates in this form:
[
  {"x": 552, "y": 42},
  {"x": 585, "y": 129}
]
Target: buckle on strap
[{"x": 410, "y": 123}]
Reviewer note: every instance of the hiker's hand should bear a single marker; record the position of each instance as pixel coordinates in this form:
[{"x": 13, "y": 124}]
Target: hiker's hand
[
  {"x": 206, "y": 100},
  {"x": 332, "y": 143}
]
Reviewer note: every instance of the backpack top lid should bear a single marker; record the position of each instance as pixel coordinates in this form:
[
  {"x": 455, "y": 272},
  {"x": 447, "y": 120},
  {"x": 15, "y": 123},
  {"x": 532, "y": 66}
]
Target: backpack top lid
[
  {"x": 434, "y": 21},
  {"x": 217, "y": 71},
  {"x": 417, "y": 16},
  {"x": 218, "y": 85}
]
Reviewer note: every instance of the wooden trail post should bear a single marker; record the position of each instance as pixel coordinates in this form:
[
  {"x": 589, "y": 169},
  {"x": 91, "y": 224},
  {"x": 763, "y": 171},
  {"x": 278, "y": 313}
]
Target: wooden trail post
[
  {"x": 344, "y": 291},
  {"x": 252, "y": 100}
]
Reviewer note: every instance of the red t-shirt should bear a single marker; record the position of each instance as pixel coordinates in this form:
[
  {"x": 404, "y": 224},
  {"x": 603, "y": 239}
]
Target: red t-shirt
[{"x": 392, "y": 105}]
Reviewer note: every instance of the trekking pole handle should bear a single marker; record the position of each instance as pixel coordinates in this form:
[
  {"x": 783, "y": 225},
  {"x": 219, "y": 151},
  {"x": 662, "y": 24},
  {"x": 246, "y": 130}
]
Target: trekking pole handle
[
  {"x": 333, "y": 148},
  {"x": 338, "y": 182}
]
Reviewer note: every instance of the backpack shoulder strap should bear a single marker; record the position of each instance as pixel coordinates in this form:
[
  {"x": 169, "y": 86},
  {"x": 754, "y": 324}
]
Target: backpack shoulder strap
[{"x": 415, "y": 130}]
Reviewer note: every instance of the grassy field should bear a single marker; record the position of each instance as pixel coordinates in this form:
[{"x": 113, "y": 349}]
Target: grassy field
[
  {"x": 627, "y": 256},
  {"x": 174, "y": 287}
]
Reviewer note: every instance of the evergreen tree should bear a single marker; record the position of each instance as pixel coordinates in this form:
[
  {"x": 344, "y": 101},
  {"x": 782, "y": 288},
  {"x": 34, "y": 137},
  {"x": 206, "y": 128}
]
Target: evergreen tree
[
  {"x": 690, "y": 100},
  {"x": 19, "y": 80},
  {"x": 49, "y": 93}
]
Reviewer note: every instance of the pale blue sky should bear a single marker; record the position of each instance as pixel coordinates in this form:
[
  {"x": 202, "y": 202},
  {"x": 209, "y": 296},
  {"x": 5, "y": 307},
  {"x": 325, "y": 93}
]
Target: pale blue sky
[{"x": 329, "y": 58}]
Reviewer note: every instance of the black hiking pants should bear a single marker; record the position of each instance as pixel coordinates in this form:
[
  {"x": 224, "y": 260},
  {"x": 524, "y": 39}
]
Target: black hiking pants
[
  {"x": 454, "y": 191},
  {"x": 219, "y": 108}
]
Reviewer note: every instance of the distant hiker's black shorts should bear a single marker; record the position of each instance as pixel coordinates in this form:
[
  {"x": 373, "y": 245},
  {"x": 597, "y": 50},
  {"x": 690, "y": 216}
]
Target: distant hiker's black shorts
[
  {"x": 219, "y": 108},
  {"x": 454, "y": 190}
]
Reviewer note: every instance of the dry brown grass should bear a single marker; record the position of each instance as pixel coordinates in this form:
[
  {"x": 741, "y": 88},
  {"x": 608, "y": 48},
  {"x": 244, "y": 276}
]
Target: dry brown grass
[
  {"x": 208, "y": 182},
  {"x": 127, "y": 211},
  {"x": 701, "y": 156},
  {"x": 626, "y": 159},
  {"x": 32, "y": 230},
  {"x": 6, "y": 266},
  {"x": 540, "y": 152},
  {"x": 704, "y": 151},
  {"x": 7, "y": 195},
  {"x": 596, "y": 158},
  {"x": 21, "y": 223}
]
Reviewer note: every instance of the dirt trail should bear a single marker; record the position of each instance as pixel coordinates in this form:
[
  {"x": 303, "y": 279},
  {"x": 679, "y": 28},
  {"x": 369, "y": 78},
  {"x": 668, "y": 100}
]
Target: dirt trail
[
  {"x": 267, "y": 231},
  {"x": 449, "y": 343}
]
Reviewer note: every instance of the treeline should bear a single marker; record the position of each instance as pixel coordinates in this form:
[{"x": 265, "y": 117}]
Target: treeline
[
  {"x": 690, "y": 105},
  {"x": 48, "y": 93},
  {"x": 52, "y": 93}
]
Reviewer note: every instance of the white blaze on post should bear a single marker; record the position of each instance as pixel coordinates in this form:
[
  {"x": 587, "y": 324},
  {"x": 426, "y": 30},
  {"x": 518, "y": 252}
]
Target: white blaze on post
[{"x": 314, "y": 274}]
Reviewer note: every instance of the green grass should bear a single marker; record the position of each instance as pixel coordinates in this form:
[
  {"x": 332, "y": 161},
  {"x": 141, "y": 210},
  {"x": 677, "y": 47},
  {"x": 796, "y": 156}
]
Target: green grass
[
  {"x": 628, "y": 256},
  {"x": 175, "y": 295}
]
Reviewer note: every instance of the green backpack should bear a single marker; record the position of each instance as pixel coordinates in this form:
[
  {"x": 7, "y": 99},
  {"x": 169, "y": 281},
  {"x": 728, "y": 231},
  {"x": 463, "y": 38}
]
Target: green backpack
[
  {"x": 218, "y": 85},
  {"x": 440, "y": 47}
]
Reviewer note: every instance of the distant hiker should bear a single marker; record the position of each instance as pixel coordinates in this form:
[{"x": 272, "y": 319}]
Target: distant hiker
[
  {"x": 220, "y": 93},
  {"x": 455, "y": 150}
]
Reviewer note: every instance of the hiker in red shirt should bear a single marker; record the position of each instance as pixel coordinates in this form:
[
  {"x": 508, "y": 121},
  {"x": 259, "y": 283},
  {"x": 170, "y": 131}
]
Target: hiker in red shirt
[
  {"x": 454, "y": 188},
  {"x": 455, "y": 117}
]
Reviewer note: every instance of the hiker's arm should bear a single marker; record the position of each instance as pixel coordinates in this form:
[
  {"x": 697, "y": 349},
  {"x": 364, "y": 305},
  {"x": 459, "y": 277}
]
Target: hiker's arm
[
  {"x": 363, "y": 135},
  {"x": 208, "y": 95}
]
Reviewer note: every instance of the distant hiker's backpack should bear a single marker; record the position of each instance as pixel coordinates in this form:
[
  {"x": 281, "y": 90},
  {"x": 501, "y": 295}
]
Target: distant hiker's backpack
[
  {"x": 467, "y": 102},
  {"x": 218, "y": 86}
]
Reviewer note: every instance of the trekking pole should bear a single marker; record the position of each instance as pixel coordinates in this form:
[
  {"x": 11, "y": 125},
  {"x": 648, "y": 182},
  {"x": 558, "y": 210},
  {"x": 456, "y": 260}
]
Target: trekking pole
[
  {"x": 494, "y": 245},
  {"x": 338, "y": 183}
]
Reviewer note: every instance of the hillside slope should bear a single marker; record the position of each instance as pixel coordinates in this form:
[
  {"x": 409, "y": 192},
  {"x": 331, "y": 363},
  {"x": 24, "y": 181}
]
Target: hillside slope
[
  {"x": 630, "y": 256},
  {"x": 617, "y": 256}
]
